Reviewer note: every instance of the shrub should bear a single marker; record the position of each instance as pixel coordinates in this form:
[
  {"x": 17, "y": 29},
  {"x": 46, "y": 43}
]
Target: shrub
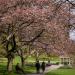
[
  {"x": 66, "y": 67},
  {"x": 57, "y": 63}
]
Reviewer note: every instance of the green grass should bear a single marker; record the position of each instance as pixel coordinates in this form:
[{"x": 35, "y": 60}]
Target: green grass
[
  {"x": 62, "y": 72},
  {"x": 3, "y": 68},
  {"x": 31, "y": 69},
  {"x": 30, "y": 59},
  {"x": 27, "y": 69}
]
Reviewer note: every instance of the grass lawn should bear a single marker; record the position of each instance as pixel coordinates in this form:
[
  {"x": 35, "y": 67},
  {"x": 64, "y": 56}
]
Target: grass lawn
[
  {"x": 62, "y": 72},
  {"x": 3, "y": 69},
  {"x": 27, "y": 69},
  {"x": 32, "y": 69}
]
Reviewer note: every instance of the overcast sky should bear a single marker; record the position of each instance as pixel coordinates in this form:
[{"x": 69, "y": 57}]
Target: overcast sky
[{"x": 72, "y": 34}]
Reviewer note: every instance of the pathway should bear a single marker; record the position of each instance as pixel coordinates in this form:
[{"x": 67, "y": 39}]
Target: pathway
[
  {"x": 53, "y": 67},
  {"x": 50, "y": 68}
]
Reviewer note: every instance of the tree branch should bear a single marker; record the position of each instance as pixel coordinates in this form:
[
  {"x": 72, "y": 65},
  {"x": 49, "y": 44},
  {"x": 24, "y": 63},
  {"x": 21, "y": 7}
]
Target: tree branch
[{"x": 37, "y": 36}]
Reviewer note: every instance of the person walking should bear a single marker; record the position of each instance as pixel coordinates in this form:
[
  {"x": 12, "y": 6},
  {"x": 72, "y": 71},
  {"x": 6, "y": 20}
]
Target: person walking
[
  {"x": 37, "y": 65},
  {"x": 43, "y": 66},
  {"x": 19, "y": 69}
]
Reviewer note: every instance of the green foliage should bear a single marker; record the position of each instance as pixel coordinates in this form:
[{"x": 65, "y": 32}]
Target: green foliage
[
  {"x": 2, "y": 51},
  {"x": 16, "y": 60}
]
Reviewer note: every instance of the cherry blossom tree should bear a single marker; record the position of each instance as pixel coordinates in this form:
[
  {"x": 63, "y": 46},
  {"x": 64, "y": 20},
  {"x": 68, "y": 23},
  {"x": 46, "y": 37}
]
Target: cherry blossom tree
[{"x": 35, "y": 23}]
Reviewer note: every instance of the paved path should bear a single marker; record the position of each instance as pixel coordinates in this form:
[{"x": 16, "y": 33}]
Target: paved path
[
  {"x": 33, "y": 74},
  {"x": 53, "y": 67},
  {"x": 50, "y": 68}
]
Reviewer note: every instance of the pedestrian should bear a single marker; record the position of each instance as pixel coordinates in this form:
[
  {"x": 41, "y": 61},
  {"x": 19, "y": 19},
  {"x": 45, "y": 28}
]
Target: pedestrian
[
  {"x": 43, "y": 66},
  {"x": 37, "y": 65},
  {"x": 19, "y": 69}
]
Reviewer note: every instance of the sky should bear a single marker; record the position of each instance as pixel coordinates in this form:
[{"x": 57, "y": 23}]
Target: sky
[{"x": 72, "y": 34}]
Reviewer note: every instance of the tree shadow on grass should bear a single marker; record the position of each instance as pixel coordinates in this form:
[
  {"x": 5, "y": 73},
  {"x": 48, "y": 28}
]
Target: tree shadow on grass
[
  {"x": 51, "y": 73},
  {"x": 2, "y": 69}
]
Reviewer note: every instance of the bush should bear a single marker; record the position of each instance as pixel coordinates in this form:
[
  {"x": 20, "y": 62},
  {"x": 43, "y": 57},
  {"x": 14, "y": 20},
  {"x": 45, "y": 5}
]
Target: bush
[
  {"x": 65, "y": 67},
  {"x": 57, "y": 63}
]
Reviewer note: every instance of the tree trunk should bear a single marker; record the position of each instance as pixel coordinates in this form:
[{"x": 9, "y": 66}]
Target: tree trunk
[
  {"x": 37, "y": 56},
  {"x": 22, "y": 62},
  {"x": 22, "y": 59},
  {"x": 10, "y": 65}
]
